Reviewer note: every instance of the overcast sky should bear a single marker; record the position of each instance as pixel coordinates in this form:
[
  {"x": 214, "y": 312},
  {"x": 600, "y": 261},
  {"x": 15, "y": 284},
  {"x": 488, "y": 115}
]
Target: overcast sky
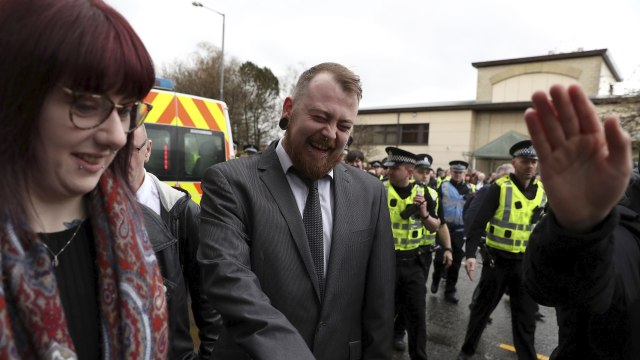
[{"x": 406, "y": 51}]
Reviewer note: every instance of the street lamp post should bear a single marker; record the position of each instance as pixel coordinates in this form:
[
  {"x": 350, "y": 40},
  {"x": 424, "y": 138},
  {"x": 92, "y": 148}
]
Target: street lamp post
[{"x": 199, "y": 4}]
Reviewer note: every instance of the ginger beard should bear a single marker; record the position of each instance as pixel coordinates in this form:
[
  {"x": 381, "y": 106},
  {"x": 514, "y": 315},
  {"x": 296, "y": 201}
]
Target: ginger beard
[{"x": 309, "y": 164}]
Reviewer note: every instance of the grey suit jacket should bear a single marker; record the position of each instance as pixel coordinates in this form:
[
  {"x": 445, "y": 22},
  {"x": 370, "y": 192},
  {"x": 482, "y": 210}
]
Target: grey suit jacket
[{"x": 258, "y": 272}]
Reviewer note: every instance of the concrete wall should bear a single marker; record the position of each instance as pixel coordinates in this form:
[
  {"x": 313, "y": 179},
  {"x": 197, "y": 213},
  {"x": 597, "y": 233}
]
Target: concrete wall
[
  {"x": 585, "y": 71},
  {"x": 450, "y": 133}
]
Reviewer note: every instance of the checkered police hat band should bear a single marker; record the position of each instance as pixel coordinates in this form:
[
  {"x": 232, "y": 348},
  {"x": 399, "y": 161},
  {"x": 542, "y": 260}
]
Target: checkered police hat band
[
  {"x": 401, "y": 159},
  {"x": 528, "y": 152}
]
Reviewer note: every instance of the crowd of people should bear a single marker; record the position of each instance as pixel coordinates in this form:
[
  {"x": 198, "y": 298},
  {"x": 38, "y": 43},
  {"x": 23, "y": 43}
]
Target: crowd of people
[{"x": 295, "y": 252}]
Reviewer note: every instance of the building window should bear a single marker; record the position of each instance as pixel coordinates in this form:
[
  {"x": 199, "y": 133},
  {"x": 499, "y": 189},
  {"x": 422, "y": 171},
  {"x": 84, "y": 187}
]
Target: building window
[
  {"x": 403, "y": 134},
  {"x": 384, "y": 134},
  {"x": 417, "y": 134}
]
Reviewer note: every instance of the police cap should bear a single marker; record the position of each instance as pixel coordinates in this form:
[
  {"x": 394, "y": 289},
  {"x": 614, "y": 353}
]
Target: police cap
[
  {"x": 524, "y": 149},
  {"x": 397, "y": 156},
  {"x": 424, "y": 161},
  {"x": 458, "y": 165},
  {"x": 250, "y": 149}
]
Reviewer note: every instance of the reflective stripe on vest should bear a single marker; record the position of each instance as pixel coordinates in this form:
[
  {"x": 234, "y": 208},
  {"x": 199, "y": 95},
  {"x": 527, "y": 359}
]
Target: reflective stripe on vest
[
  {"x": 511, "y": 227},
  {"x": 407, "y": 233},
  {"x": 429, "y": 237}
]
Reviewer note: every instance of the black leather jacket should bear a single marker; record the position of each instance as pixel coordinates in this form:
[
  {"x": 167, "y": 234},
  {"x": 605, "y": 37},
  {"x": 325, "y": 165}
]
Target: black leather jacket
[
  {"x": 166, "y": 249},
  {"x": 175, "y": 238},
  {"x": 183, "y": 220}
]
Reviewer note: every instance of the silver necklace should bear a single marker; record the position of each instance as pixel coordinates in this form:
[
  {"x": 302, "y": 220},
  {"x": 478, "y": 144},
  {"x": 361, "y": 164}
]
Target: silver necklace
[{"x": 55, "y": 256}]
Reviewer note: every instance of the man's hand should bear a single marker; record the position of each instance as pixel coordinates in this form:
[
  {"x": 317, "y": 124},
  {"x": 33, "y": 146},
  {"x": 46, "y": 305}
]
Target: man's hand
[
  {"x": 447, "y": 259},
  {"x": 585, "y": 166},
  {"x": 470, "y": 266},
  {"x": 421, "y": 202}
]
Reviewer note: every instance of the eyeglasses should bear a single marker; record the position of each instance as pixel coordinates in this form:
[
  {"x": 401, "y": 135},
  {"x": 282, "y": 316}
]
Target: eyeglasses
[
  {"x": 141, "y": 146},
  {"x": 88, "y": 111}
]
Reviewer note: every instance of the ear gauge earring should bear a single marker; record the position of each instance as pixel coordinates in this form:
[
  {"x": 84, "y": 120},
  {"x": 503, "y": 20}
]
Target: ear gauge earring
[{"x": 284, "y": 123}]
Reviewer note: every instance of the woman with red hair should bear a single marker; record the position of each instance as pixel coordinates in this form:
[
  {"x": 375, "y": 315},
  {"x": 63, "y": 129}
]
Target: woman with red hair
[{"x": 79, "y": 276}]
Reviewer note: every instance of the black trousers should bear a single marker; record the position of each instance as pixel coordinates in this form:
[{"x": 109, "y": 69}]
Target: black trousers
[
  {"x": 411, "y": 302},
  {"x": 400, "y": 323},
  {"x": 507, "y": 273},
  {"x": 457, "y": 241}
]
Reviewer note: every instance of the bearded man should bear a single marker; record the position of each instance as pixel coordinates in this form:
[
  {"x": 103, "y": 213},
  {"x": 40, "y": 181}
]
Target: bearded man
[{"x": 296, "y": 248}]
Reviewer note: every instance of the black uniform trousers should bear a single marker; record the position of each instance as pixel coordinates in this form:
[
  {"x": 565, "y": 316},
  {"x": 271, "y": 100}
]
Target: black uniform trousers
[
  {"x": 411, "y": 299},
  {"x": 400, "y": 323},
  {"x": 457, "y": 242},
  {"x": 507, "y": 273}
]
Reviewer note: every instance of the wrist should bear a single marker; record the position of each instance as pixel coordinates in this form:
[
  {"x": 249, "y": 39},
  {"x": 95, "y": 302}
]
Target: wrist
[
  {"x": 447, "y": 249},
  {"x": 425, "y": 217}
]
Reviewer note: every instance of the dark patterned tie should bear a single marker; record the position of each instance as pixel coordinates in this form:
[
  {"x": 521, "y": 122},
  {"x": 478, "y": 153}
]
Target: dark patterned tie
[{"x": 312, "y": 219}]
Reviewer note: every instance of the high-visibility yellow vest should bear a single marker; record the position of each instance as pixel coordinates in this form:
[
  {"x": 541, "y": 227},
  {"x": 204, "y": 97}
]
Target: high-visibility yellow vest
[
  {"x": 511, "y": 225},
  {"x": 429, "y": 237},
  {"x": 407, "y": 233}
]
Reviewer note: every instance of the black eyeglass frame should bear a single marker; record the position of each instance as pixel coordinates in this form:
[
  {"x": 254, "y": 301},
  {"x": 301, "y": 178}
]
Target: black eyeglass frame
[
  {"x": 141, "y": 146},
  {"x": 132, "y": 125}
]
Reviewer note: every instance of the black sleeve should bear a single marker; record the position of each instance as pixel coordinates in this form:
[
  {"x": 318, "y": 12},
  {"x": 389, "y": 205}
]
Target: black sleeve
[
  {"x": 484, "y": 213},
  {"x": 472, "y": 206},
  {"x": 592, "y": 271},
  {"x": 207, "y": 319}
]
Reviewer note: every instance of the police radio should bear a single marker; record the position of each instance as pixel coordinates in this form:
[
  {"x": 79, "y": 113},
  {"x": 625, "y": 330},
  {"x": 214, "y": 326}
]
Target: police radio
[{"x": 412, "y": 209}]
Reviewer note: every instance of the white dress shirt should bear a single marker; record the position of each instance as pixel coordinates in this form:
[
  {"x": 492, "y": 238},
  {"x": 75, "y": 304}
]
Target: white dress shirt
[
  {"x": 300, "y": 192},
  {"x": 148, "y": 194}
]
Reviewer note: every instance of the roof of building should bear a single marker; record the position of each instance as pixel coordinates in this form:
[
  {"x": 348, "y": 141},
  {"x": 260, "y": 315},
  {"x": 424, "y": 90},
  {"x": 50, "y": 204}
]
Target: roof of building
[
  {"x": 571, "y": 55},
  {"x": 499, "y": 148},
  {"x": 481, "y": 105}
]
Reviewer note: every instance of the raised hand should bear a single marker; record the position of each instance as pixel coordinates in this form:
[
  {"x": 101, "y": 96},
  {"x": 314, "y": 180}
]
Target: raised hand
[{"x": 585, "y": 166}]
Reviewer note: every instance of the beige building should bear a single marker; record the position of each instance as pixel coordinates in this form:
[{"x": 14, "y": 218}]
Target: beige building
[{"x": 482, "y": 131}]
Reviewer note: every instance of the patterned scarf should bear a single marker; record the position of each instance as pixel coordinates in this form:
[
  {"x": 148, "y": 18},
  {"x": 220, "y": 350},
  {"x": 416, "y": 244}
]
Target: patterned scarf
[{"x": 133, "y": 313}]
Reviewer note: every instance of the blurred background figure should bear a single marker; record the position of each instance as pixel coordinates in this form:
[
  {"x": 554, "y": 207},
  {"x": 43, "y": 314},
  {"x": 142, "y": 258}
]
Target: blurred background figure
[
  {"x": 453, "y": 193},
  {"x": 376, "y": 169},
  {"x": 355, "y": 158},
  {"x": 479, "y": 180},
  {"x": 171, "y": 219},
  {"x": 249, "y": 150},
  {"x": 80, "y": 276}
]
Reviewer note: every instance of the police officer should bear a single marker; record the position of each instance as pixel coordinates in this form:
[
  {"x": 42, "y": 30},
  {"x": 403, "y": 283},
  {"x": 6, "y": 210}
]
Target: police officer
[
  {"x": 250, "y": 150},
  {"x": 453, "y": 193},
  {"x": 421, "y": 176},
  {"x": 412, "y": 214},
  {"x": 508, "y": 213},
  {"x": 376, "y": 169}
]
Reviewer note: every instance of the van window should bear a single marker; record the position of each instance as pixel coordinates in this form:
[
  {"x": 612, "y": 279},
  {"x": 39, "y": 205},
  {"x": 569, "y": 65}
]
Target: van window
[{"x": 201, "y": 150}]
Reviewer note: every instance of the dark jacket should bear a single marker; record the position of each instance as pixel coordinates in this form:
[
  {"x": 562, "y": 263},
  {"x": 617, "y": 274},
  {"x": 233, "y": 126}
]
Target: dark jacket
[
  {"x": 594, "y": 281},
  {"x": 166, "y": 249},
  {"x": 181, "y": 216}
]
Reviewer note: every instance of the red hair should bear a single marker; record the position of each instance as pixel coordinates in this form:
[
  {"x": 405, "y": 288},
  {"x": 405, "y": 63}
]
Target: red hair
[{"x": 84, "y": 44}]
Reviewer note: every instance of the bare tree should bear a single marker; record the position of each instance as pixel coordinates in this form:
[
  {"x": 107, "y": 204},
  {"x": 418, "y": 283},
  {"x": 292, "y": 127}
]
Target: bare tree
[
  {"x": 250, "y": 91},
  {"x": 260, "y": 91}
]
